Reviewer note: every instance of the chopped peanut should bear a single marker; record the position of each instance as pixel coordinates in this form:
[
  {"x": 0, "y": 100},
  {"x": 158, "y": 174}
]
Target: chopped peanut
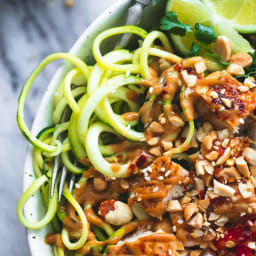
[
  {"x": 223, "y": 47},
  {"x": 200, "y": 67},
  {"x": 213, "y": 216},
  {"x": 249, "y": 82},
  {"x": 153, "y": 141},
  {"x": 212, "y": 156},
  {"x": 176, "y": 121},
  {"x": 174, "y": 206},
  {"x": 250, "y": 156},
  {"x": 242, "y": 166},
  {"x": 166, "y": 144},
  {"x": 99, "y": 184},
  {"x": 155, "y": 127},
  {"x": 190, "y": 210},
  {"x": 124, "y": 184},
  {"x": 246, "y": 190},
  {"x": 253, "y": 170},
  {"x": 155, "y": 151},
  {"x": 235, "y": 70},
  {"x": 223, "y": 190},
  {"x": 221, "y": 221},
  {"x": 223, "y": 134},
  {"x": 190, "y": 80},
  {"x": 222, "y": 159},
  {"x": 200, "y": 171},
  {"x": 242, "y": 59},
  {"x": 229, "y": 172},
  {"x": 208, "y": 140},
  {"x": 196, "y": 221}
]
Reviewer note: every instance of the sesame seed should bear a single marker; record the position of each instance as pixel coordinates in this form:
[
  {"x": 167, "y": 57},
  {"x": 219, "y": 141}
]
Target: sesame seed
[
  {"x": 128, "y": 72},
  {"x": 162, "y": 169},
  {"x": 77, "y": 185},
  {"x": 174, "y": 228},
  {"x": 155, "y": 189},
  {"x": 147, "y": 178},
  {"x": 160, "y": 177},
  {"x": 222, "y": 91},
  {"x": 180, "y": 221},
  {"x": 167, "y": 173},
  {"x": 149, "y": 169},
  {"x": 250, "y": 223},
  {"x": 226, "y": 102},
  {"x": 151, "y": 89},
  {"x": 214, "y": 94}
]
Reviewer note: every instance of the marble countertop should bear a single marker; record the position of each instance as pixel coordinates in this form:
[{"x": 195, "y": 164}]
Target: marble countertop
[{"x": 29, "y": 30}]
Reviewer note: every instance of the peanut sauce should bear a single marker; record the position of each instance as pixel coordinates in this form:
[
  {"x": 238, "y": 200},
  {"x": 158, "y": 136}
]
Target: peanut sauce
[
  {"x": 132, "y": 95},
  {"x": 53, "y": 239},
  {"x": 130, "y": 116}
]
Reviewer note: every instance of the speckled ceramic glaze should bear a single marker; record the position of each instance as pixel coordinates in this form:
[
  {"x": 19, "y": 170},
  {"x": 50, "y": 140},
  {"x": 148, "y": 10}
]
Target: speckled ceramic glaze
[{"x": 112, "y": 17}]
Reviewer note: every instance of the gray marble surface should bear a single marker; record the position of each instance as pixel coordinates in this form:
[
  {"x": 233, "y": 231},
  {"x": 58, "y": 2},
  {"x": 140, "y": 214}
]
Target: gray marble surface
[{"x": 29, "y": 30}]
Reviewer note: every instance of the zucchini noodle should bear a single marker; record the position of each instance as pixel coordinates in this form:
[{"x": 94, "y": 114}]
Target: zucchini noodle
[
  {"x": 68, "y": 92},
  {"x": 96, "y": 157},
  {"x": 111, "y": 85},
  {"x": 52, "y": 207},
  {"x": 111, "y": 32},
  {"x": 151, "y": 37},
  {"x": 85, "y": 225},
  {"x": 20, "y": 113},
  {"x": 58, "y": 111}
]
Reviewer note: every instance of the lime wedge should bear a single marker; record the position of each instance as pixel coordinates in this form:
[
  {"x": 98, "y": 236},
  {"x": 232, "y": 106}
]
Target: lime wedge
[
  {"x": 210, "y": 12},
  {"x": 240, "y": 12}
]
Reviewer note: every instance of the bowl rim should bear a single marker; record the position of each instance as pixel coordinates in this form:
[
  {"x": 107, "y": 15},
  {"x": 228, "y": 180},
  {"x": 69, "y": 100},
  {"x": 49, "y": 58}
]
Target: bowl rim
[{"x": 39, "y": 120}]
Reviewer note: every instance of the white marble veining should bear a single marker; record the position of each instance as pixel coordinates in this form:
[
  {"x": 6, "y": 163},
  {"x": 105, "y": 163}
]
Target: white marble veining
[{"x": 29, "y": 30}]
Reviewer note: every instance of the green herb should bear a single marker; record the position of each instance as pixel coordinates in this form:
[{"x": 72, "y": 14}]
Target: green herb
[
  {"x": 251, "y": 70},
  {"x": 194, "y": 51},
  {"x": 216, "y": 57},
  {"x": 205, "y": 34},
  {"x": 171, "y": 23}
]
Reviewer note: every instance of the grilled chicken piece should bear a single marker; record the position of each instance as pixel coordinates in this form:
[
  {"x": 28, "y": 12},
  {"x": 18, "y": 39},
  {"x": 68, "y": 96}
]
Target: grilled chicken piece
[
  {"x": 145, "y": 243},
  {"x": 160, "y": 183},
  {"x": 225, "y": 99}
]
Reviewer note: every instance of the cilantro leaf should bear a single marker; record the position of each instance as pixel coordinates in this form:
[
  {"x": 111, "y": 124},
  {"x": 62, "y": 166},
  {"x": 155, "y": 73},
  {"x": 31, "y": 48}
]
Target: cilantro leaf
[
  {"x": 171, "y": 23},
  {"x": 194, "y": 51},
  {"x": 205, "y": 34},
  {"x": 216, "y": 57}
]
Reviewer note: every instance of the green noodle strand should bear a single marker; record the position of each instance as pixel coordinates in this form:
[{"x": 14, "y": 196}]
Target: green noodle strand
[
  {"x": 85, "y": 225},
  {"x": 52, "y": 207},
  {"x": 20, "y": 113}
]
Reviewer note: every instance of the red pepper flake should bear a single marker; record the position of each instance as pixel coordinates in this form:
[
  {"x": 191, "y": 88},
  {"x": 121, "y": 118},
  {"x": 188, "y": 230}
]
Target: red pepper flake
[
  {"x": 191, "y": 174},
  {"x": 221, "y": 150},
  {"x": 242, "y": 250},
  {"x": 201, "y": 194},
  {"x": 182, "y": 140},
  {"x": 178, "y": 67},
  {"x": 141, "y": 161},
  {"x": 105, "y": 207},
  {"x": 217, "y": 170},
  {"x": 132, "y": 167},
  {"x": 119, "y": 156}
]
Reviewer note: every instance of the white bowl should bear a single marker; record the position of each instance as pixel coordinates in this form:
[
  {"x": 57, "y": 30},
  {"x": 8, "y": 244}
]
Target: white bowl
[{"x": 112, "y": 17}]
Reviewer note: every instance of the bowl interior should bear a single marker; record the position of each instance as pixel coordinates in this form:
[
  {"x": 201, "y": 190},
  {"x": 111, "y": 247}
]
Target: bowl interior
[{"x": 112, "y": 17}]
